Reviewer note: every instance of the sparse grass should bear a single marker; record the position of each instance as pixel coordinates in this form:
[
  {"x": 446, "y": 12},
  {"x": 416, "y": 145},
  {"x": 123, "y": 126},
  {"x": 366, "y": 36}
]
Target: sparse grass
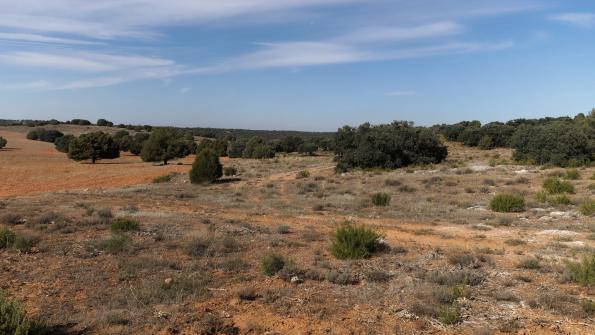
[
  {"x": 272, "y": 263},
  {"x": 559, "y": 200},
  {"x": 247, "y": 293},
  {"x": 588, "y": 207},
  {"x": 162, "y": 179},
  {"x": 582, "y": 272},
  {"x": 530, "y": 263},
  {"x": 230, "y": 171},
  {"x": 7, "y": 238},
  {"x": 449, "y": 315},
  {"x": 507, "y": 202},
  {"x": 556, "y": 186},
  {"x": 12, "y": 219},
  {"x": 380, "y": 199},
  {"x": 515, "y": 242},
  {"x": 14, "y": 320},
  {"x": 10, "y": 240},
  {"x": 124, "y": 225},
  {"x": 351, "y": 241}
]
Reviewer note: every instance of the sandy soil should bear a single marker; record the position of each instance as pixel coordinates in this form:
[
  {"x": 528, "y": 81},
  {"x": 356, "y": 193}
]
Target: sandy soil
[{"x": 33, "y": 167}]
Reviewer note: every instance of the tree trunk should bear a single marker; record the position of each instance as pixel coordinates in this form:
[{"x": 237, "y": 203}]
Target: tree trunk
[
  {"x": 93, "y": 159},
  {"x": 165, "y": 162}
]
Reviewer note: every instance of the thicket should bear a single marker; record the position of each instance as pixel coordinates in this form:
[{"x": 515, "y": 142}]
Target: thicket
[
  {"x": 390, "y": 146},
  {"x": 562, "y": 141},
  {"x": 45, "y": 135}
]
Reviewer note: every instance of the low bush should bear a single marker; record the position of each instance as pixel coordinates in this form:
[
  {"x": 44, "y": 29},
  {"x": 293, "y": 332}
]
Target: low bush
[
  {"x": 380, "y": 199},
  {"x": 115, "y": 244},
  {"x": 303, "y": 174},
  {"x": 41, "y": 134},
  {"x": 13, "y": 319},
  {"x": 271, "y": 264},
  {"x": 588, "y": 207},
  {"x": 7, "y": 238},
  {"x": 559, "y": 199},
  {"x": 124, "y": 225},
  {"x": 506, "y": 202},
  {"x": 3, "y": 142},
  {"x": 582, "y": 272},
  {"x": 449, "y": 315},
  {"x": 530, "y": 263},
  {"x": 23, "y": 243},
  {"x": 166, "y": 178},
  {"x": 572, "y": 174},
  {"x": 556, "y": 186},
  {"x": 206, "y": 167},
  {"x": 283, "y": 229},
  {"x": 352, "y": 242}
]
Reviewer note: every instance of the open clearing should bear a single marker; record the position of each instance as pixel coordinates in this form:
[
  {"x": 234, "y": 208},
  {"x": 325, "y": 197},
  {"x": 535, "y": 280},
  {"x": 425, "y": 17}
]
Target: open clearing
[{"x": 193, "y": 267}]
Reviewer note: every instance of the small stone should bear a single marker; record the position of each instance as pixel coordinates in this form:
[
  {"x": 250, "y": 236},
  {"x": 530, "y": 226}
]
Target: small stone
[
  {"x": 168, "y": 281},
  {"x": 296, "y": 280}
]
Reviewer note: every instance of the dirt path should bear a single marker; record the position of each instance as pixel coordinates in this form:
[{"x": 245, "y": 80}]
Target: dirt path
[{"x": 33, "y": 167}]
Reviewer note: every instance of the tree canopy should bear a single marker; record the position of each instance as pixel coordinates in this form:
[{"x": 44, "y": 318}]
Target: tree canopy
[
  {"x": 165, "y": 144},
  {"x": 93, "y": 146}
]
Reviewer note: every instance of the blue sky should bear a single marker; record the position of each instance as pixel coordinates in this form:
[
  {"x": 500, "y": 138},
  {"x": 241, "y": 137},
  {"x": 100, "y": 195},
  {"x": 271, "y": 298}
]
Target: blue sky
[{"x": 295, "y": 64}]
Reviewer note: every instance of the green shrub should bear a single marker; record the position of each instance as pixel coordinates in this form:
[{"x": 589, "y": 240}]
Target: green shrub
[
  {"x": 352, "y": 242},
  {"x": 583, "y": 272},
  {"x": 93, "y": 146},
  {"x": 257, "y": 148},
  {"x": 41, "y": 134},
  {"x": 24, "y": 243},
  {"x": 271, "y": 264},
  {"x": 588, "y": 207},
  {"x": 556, "y": 186},
  {"x": 3, "y": 142},
  {"x": 124, "y": 225},
  {"x": 449, "y": 315},
  {"x": 229, "y": 171},
  {"x": 506, "y": 202},
  {"x": 541, "y": 196},
  {"x": 115, "y": 244},
  {"x": 380, "y": 199},
  {"x": 63, "y": 143},
  {"x": 206, "y": 167},
  {"x": 303, "y": 174},
  {"x": 283, "y": 229},
  {"x": 165, "y": 144},
  {"x": 560, "y": 199},
  {"x": 13, "y": 319},
  {"x": 572, "y": 174},
  {"x": 531, "y": 263},
  {"x": 7, "y": 238},
  {"x": 166, "y": 178}
]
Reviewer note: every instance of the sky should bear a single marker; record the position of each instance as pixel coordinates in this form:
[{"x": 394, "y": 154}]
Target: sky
[{"x": 295, "y": 64}]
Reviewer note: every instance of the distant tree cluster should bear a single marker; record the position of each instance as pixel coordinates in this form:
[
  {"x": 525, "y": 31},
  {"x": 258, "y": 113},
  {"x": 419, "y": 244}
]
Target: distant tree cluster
[
  {"x": 217, "y": 146},
  {"x": 3, "y": 142},
  {"x": 388, "y": 146},
  {"x": 45, "y": 135},
  {"x": 559, "y": 141},
  {"x": 165, "y": 144},
  {"x": 104, "y": 123},
  {"x": 80, "y": 122}
]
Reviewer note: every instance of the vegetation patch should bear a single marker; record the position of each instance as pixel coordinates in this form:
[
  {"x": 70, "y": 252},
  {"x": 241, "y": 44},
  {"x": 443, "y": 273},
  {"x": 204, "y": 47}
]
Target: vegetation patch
[
  {"x": 507, "y": 203},
  {"x": 124, "y": 225},
  {"x": 557, "y": 186},
  {"x": 351, "y": 241},
  {"x": 582, "y": 272},
  {"x": 272, "y": 263}
]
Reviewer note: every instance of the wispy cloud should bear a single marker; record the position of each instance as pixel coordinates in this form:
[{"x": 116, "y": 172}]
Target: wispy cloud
[
  {"x": 586, "y": 20},
  {"x": 400, "y": 93},
  {"x": 36, "y": 38},
  {"x": 393, "y": 34},
  {"x": 82, "y": 61}
]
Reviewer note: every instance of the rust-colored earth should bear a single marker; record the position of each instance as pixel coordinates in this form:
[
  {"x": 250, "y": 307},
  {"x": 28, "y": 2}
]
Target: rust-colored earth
[{"x": 33, "y": 167}]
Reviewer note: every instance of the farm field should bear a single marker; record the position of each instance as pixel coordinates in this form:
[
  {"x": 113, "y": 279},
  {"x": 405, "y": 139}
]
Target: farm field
[{"x": 194, "y": 263}]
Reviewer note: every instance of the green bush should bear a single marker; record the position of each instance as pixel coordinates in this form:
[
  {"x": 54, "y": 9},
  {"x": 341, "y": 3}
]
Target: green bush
[
  {"x": 486, "y": 143},
  {"x": 115, "y": 244},
  {"x": 588, "y": 207},
  {"x": 7, "y": 238},
  {"x": 3, "y": 142},
  {"x": 229, "y": 171},
  {"x": 556, "y": 186},
  {"x": 449, "y": 315},
  {"x": 572, "y": 174},
  {"x": 559, "y": 199},
  {"x": 166, "y": 178},
  {"x": 389, "y": 146},
  {"x": 352, "y": 242},
  {"x": 271, "y": 264},
  {"x": 41, "y": 134},
  {"x": 24, "y": 243},
  {"x": 13, "y": 319},
  {"x": 380, "y": 199},
  {"x": 206, "y": 167},
  {"x": 63, "y": 143},
  {"x": 257, "y": 148},
  {"x": 303, "y": 174},
  {"x": 583, "y": 272},
  {"x": 506, "y": 202},
  {"x": 124, "y": 225}
]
